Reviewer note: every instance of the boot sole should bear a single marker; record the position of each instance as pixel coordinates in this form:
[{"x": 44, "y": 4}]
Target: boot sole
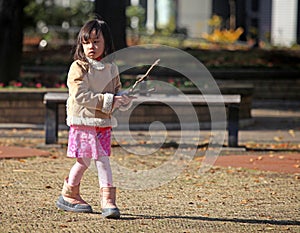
[
  {"x": 66, "y": 206},
  {"x": 112, "y": 213}
]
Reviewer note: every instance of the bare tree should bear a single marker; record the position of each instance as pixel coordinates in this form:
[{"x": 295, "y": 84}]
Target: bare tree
[{"x": 11, "y": 16}]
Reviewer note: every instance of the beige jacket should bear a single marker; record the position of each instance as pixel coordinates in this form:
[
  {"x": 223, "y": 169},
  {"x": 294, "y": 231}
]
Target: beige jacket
[{"x": 91, "y": 93}]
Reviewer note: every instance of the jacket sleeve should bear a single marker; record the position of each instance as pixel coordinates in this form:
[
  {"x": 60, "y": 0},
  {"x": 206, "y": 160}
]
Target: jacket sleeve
[
  {"x": 116, "y": 78},
  {"x": 78, "y": 88},
  {"x": 118, "y": 86}
]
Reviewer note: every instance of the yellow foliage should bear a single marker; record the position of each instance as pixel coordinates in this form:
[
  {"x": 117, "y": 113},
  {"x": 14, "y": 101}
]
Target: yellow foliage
[
  {"x": 215, "y": 21},
  {"x": 224, "y": 36}
]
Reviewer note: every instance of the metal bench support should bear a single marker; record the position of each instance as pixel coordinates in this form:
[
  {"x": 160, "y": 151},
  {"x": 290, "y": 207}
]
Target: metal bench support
[
  {"x": 233, "y": 125},
  {"x": 51, "y": 123}
]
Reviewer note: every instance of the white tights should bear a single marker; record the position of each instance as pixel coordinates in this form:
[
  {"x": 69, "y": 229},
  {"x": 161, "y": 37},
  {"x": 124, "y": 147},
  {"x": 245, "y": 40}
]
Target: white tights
[{"x": 103, "y": 170}]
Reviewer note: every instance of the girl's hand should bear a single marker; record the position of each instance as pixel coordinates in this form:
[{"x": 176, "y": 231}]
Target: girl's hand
[
  {"x": 118, "y": 101},
  {"x": 122, "y": 100},
  {"x": 127, "y": 99}
]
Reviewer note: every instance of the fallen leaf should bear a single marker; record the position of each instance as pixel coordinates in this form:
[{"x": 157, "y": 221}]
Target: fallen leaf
[
  {"x": 204, "y": 200},
  {"x": 230, "y": 171},
  {"x": 277, "y": 139},
  {"x": 292, "y": 133},
  {"x": 168, "y": 152},
  {"x": 198, "y": 158},
  {"x": 243, "y": 202}
]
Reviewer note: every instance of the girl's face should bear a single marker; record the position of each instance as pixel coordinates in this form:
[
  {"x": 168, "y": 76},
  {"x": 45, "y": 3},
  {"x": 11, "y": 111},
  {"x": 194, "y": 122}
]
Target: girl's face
[{"x": 94, "y": 47}]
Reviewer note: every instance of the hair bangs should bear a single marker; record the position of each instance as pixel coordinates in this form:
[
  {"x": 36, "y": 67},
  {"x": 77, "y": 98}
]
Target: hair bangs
[{"x": 86, "y": 35}]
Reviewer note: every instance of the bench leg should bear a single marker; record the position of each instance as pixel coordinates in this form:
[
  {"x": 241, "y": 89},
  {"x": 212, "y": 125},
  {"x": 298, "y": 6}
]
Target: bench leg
[
  {"x": 233, "y": 125},
  {"x": 51, "y": 123}
]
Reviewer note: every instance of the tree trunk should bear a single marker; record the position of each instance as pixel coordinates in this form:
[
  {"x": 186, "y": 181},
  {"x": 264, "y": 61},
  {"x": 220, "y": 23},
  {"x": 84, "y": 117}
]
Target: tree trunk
[
  {"x": 232, "y": 17},
  {"x": 113, "y": 12},
  {"x": 11, "y": 39}
]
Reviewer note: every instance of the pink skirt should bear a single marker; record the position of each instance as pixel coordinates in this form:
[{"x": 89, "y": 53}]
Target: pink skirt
[{"x": 89, "y": 142}]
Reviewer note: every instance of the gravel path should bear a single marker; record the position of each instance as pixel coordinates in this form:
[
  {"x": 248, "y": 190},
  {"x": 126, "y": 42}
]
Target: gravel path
[{"x": 219, "y": 200}]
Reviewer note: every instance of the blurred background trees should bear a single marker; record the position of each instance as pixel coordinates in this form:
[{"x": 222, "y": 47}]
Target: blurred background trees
[
  {"x": 113, "y": 12},
  {"x": 40, "y": 21},
  {"x": 11, "y": 24},
  {"x": 53, "y": 14},
  {"x": 47, "y": 30},
  {"x": 49, "y": 20}
]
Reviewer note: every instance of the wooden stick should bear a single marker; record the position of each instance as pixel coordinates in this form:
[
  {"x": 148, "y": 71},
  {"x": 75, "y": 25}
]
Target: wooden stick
[{"x": 144, "y": 76}]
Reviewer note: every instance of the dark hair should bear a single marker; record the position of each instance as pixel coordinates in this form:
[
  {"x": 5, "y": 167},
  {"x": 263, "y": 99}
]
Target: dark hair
[{"x": 99, "y": 26}]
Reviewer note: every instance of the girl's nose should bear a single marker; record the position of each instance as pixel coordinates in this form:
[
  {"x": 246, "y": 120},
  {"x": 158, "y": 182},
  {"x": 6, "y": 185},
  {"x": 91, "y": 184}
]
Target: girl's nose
[{"x": 91, "y": 44}]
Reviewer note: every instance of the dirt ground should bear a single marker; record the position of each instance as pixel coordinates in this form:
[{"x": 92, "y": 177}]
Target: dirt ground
[{"x": 221, "y": 199}]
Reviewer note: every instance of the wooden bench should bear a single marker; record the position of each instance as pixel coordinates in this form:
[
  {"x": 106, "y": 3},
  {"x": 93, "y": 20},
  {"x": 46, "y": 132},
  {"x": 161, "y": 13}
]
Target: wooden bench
[
  {"x": 52, "y": 100},
  {"x": 232, "y": 102}
]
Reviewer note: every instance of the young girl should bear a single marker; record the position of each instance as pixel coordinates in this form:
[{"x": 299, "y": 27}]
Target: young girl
[{"x": 93, "y": 85}]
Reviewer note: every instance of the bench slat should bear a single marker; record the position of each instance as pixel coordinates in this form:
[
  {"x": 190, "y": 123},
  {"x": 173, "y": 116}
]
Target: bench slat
[
  {"x": 55, "y": 97},
  {"x": 180, "y": 99},
  {"x": 195, "y": 99}
]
